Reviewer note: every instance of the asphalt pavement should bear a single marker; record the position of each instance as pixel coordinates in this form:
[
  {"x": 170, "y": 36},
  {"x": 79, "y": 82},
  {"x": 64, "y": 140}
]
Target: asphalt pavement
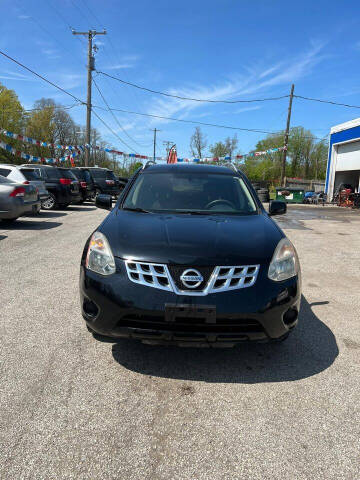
[{"x": 72, "y": 407}]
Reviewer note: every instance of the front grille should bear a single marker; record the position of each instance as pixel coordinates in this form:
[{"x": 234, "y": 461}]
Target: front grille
[
  {"x": 176, "y": 272},
  {"x": 150, "y": 274},
  {"x": 215, "y": 279}
]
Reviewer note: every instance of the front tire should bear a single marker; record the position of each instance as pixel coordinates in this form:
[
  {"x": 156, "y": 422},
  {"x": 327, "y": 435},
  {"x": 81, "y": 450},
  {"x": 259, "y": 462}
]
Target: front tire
[
  {"x": 36, "y": 210},
  {"x": 49, "y": 203}
]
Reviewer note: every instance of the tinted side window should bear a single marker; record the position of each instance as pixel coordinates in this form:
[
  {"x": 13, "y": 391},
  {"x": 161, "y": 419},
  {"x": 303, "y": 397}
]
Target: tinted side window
[
  {"x": 87, "y": 176},
  {"x": 4, "y": 172},
  {"x": 29, "y": 174},
  {"x": 52, "y": 173},
  {"x": 65, "y": 173},
  {"x": 79, "y": 174}
]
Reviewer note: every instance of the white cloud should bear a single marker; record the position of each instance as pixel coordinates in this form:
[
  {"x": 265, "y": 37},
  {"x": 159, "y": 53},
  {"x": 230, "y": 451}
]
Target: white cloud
[
  {"x": 125, "y": 61},
  {"x": 70, "y": 80},
  {"x": 119, "y": 66},
  {"x": 51, "y": 53},
  {"x": 10, "y": 75},
  {"x": 23, "y": 17},
  {"x": 255, "y": 81},
  {"x": 247, "y": 109}
]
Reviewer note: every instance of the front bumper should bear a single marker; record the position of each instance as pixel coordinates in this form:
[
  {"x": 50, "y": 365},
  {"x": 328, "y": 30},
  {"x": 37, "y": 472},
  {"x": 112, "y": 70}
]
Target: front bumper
[{"x": 116, "y": 307}]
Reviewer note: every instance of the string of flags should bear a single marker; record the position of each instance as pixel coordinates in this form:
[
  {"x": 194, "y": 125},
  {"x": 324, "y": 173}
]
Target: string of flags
[
  {"x": 229, "y": 158},
  {"x": 76, "y": 148},
  {"x": 40, "y": 143},
  {"x": 33, "y": 158}
]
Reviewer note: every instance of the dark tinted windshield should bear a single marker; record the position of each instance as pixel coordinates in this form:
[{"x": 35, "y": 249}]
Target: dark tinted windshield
[
  {"x": 4, "y": 172},
  {"x": 104, "y": 174},
  {"x": 30, "y": 174},
  {"x": 79, "y": 174},
  {"x": 66, "y": 173},
  {"x": 52, "y": 172},
  {"x": 200, "y": 193}
]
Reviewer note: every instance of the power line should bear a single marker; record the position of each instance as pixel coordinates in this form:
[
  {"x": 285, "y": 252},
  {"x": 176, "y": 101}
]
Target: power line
[
  {"x": 42, "y": 78},
  {"x": 114, "y": 117},
  {"x": 189, "y": 98},
  {"x": 188, "y": 121},
  {"x": 132, "y": 112},
  {"x": 110, "y": 129},
  {"x": 327, "y": 101}
]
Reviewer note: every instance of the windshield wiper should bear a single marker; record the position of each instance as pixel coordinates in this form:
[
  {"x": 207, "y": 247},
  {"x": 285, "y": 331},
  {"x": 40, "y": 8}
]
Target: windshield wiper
[
  {"x": 192, "y": 212},
  {"x": 136, "y": 209}
]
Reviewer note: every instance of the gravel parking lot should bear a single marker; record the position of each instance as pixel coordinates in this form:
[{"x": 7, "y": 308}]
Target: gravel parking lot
[{"x": 75, "y": 408}]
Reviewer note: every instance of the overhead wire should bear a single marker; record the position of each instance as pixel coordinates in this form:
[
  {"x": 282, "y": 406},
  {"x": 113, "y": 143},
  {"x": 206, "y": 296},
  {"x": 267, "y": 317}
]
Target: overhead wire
[
  {"x": 138, "y": 113},
  {"x": 190, "y": 98},
  {"x": 114, "y": 116},
  {"x": 42, "y": 78},
  {"x": 189, "y": 121},
  {"x": 327, "y": 101}
]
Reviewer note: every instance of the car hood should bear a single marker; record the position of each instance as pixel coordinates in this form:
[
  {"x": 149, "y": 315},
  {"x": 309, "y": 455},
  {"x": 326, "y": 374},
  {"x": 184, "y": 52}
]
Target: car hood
[{"x": 192, "y": 239}]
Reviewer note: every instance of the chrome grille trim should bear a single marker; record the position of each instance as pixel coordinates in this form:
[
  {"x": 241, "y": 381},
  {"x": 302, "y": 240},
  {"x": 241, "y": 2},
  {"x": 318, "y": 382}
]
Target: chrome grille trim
[
  {"x": 222, "y": 279},
  {"x": 154, "y": 275}
]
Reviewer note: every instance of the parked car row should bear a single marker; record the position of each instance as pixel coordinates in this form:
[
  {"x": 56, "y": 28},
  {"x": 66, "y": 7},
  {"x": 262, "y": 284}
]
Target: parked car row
[{"x": 49, "y": 187}]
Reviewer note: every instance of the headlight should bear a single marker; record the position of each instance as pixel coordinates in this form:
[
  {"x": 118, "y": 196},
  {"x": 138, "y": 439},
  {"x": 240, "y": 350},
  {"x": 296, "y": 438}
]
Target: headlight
[
  {"x": 284, "y": 263},
  {"x": 99, "y": 257}
]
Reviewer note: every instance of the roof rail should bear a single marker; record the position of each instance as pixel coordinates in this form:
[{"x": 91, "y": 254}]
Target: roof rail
[
  {"x": 148, "y": 163},
  {"x": 232, "y": 166}
]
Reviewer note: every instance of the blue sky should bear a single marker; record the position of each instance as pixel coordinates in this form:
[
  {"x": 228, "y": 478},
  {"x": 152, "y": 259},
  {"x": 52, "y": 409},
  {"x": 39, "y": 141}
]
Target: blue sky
[{"x": 220, "y": 50}]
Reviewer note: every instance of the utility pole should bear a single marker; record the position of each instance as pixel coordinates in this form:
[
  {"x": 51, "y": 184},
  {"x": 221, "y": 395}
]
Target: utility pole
[
  {"x": 167, "y": 146},
  {"x": 286, "y": 138},
  {"x": 90, "y": 67},
  {"x": 155, "y": 130}
]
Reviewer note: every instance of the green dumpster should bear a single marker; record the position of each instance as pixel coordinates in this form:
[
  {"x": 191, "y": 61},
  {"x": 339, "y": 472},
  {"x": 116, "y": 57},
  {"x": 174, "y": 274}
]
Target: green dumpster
[{"x": 290, "y": 194}]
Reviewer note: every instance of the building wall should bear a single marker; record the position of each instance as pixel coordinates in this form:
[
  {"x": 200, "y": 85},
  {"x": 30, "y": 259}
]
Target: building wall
[{"x": 339, "y": 136}]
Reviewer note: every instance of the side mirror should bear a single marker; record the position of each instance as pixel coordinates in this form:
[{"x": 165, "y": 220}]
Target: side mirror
[
  {"x": 104, "y": 201},
  {"x": 277, "y": 207}
]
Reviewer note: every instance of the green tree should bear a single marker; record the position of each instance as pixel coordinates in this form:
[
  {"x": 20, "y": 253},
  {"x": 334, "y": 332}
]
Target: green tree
[
  {"x": 306, "y": 157},
  {"x": 219, "y": 149},
  {"x": 13, "y": 118}
]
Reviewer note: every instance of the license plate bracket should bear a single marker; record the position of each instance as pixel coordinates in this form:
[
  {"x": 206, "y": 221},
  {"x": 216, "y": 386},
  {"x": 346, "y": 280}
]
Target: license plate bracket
[{"x": 174, "y": 311}]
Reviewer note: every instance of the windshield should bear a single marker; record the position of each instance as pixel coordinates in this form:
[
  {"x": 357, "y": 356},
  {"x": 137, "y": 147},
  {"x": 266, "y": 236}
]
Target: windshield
[
  {"x": 190, "y": 193},
  {"x": 107, "y": 174},
  {"x": 30, "y": 174},
  {"x": 65, "y": 173}
]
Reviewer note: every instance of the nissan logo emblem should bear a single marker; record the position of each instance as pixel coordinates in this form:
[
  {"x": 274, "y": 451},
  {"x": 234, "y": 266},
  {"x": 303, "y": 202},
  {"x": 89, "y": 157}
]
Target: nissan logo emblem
[{"x": 191, "y": 278}]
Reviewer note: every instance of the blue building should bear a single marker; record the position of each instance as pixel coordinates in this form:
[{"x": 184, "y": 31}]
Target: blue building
[{"x": 344, "y": 157}]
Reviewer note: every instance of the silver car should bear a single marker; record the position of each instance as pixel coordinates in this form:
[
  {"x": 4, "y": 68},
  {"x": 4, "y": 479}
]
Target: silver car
[
  {"x": 25, "y": 175},
  {"x": 17, "y": 199}
]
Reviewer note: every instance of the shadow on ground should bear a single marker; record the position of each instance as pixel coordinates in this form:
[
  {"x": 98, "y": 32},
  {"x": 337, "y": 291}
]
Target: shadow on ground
[
  {"x": 30, "y": 225},
  {"x": 2, "y": 237},
  {"x": 309, "y": 350}
]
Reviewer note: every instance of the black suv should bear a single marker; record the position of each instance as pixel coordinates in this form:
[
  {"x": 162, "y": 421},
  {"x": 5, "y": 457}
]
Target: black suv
[
  {"x": 62, "y": 185},
  {"x": 104, "y": 180},
  {"x": 188, "y": 254},
  {"x": 87, "y": 187}
]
